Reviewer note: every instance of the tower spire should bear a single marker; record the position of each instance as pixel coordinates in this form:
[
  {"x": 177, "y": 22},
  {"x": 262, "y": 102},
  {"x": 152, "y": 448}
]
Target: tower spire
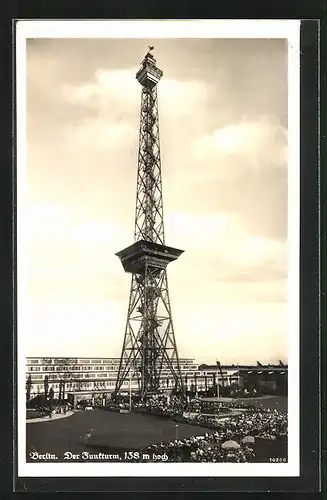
[{"x": 149, "y": 346}]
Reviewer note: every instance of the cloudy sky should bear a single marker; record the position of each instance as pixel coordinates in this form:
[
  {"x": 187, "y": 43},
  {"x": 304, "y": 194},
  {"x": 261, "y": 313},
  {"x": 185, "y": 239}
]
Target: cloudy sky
[{"x": 223, "y": 130}]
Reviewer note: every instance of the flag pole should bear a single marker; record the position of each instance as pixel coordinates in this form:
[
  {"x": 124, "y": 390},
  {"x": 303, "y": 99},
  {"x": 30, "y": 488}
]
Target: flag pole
[
  {"x": 217, "y": 381},
  {"x": 130, "y": 391}
]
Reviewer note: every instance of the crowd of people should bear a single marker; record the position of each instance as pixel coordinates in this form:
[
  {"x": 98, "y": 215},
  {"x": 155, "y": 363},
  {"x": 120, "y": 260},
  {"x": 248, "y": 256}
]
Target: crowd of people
[
  {"x": 206, "y": 448},
  {"x": 235, "y": 430},
  {"x": 61, "y": 410},
  {"x": 49, "y": 411}
]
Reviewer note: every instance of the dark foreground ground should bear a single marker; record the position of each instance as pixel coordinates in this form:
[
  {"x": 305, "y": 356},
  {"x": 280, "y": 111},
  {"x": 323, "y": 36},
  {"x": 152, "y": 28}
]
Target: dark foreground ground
[
  {"x": 104, "y": 431},
  {"x": 117, "y": 434}
]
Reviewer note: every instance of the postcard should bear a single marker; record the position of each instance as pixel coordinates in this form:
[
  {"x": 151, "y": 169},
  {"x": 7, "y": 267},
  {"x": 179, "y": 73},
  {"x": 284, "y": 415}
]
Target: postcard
[{"x": 158, "y": 248}]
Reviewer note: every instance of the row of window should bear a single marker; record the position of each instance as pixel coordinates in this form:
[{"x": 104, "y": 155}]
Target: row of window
[
  {"x": 86, "y": 385},
  {"x": 184, "y": 363},
  {"x": 80, "y": 376},
  {"x": 88, "y": 368},
  {"x": 82, "y": 382}
]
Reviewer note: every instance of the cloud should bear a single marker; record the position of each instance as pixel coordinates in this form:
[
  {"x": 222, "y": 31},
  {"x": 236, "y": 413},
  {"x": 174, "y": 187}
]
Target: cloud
[
  {"x": 247, "y": 146},
  {"x": 222, "y": 256},
  {"x": 236, "y": 331},
  {"x": 223, "y": 150},
  {"x": 238, "y": 168},
  {"x": 106, "y": 89},
  {"x": 114, "y": 96},
  {"x": 219, "y": 247},
  {"x": 71, "y": 258},
  {"x": 57, "y": 328}
]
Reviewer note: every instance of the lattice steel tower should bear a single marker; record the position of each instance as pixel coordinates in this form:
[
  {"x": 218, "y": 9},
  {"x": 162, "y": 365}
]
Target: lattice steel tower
[{"x": 149, "y": 346}]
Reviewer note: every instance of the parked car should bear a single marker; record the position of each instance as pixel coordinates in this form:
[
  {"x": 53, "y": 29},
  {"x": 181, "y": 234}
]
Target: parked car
[{"x": 88, "y": 408}]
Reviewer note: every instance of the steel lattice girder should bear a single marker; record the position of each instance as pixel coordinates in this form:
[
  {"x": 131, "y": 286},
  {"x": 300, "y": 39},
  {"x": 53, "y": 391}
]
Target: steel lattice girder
[
  {"x": 149, "y": 342},
  {"x": 149, "y": 222}
]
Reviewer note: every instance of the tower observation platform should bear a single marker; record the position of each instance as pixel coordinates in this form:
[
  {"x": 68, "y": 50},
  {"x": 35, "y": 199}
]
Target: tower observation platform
[
  {"x": 146, "y": 253},
  {"x": 149, "y": 346},
  {"x": 149, "y": 74}
]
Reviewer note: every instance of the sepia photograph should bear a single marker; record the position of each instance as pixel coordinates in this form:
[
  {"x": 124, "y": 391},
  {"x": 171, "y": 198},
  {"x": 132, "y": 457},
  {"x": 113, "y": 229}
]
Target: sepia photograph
[{"x": 158, "y": 248}]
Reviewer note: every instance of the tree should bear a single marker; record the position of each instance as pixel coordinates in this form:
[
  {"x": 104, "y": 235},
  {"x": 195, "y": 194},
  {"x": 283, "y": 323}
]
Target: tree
[
  {"x": 186, "y": 382},
  {"x": 28, "y": 388},
  {"x": 51, "y": 396},
  {"x": 46, "y": 386},
  {"x": 66, "y": 374}
]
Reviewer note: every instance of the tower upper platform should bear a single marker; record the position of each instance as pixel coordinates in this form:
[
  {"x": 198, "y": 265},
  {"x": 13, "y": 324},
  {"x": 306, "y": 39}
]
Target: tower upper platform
[
  {"x": 149, "y": 74},
  {"x": 136, "y": 256}
]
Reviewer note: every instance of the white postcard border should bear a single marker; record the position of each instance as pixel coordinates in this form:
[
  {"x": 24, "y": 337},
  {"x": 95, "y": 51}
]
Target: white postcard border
[{"x": 288, "y": 29}]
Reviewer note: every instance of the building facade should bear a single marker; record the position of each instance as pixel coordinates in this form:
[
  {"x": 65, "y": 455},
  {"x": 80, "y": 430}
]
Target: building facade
[
  {"x": 98, "y": 376},
  {"x": 91, "y": 377},
  {"x": 265, "y": 378}
]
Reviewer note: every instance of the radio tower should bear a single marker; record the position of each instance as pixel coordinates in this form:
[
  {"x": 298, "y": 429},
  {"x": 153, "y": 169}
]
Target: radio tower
[{"x": 149, "y": 345}]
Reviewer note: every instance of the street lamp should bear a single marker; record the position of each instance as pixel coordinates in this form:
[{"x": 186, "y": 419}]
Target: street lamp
[
  {"x": 176, "y": 438},
  {"x": 130, "y": 388},
  {"x": 218, "y": 369},
  {"x": 130, "y": 391}
]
